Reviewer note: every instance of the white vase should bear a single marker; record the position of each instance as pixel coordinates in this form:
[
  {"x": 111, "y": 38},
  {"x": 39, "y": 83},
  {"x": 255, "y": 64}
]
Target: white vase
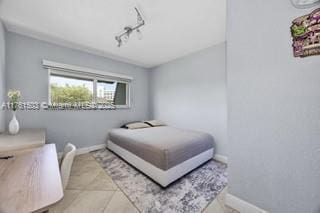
[{"x": 14, "y": 124}]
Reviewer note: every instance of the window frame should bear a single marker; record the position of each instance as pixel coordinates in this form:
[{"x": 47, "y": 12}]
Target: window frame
[
  {"x": 127, "y": 105},
  {"x": 95, "y": 78}
]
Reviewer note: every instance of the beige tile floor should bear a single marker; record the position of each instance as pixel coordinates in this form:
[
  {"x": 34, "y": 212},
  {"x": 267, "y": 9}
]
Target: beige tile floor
[{"x": 91, "y": 190}]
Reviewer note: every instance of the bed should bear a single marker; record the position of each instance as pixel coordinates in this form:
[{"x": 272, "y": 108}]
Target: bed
[{"x": 163, "y": 153}]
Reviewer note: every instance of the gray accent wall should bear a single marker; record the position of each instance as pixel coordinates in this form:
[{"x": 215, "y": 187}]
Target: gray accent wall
[
  {"x": 190, "y": 93},
  {"x": 82, "y": 128},
  {"x": 273, "y": 110},
  {"x": 2, "y": 75}
]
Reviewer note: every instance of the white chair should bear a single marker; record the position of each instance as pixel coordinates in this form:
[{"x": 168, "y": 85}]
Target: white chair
[{"x": 66, "y": 163}]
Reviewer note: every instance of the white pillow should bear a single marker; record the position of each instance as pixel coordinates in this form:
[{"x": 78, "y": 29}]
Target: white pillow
[
  {"x": 137, "y": 125},
  {"x": 155, "y": 123}
]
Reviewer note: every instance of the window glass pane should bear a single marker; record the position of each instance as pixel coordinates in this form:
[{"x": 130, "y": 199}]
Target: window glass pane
[
  {"x": 111, "y": 92},
  {"x": 70, "y": 90},
  {"x": 120, "y": 97}
]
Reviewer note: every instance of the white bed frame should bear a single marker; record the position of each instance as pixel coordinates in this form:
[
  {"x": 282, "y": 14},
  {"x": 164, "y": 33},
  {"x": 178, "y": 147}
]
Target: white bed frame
[{"x": 164, "y": 178}]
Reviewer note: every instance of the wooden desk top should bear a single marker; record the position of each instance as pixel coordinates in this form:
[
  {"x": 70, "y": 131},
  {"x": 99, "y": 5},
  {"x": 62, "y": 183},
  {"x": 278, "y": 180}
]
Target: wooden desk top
[
  {"x": 30, "y": 181},
  {"x": 26, "y": 138}
]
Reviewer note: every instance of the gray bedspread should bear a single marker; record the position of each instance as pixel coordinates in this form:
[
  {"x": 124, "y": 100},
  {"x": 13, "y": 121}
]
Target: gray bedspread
[{"x": 164, "y": 147}]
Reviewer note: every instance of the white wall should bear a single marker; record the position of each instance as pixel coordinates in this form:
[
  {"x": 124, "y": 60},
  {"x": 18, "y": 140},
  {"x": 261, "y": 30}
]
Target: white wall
[
  {"x": 190, "y": 93},
  {"x": 82, "y": 128},
  {"x": 273, "y": 110},
  {"x": 2, "y": 75}
]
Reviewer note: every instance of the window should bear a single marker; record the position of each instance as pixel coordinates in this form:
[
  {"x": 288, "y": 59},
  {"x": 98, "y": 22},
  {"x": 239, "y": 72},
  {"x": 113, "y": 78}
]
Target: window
[
  {"x": 111, "y": 92},
  {"x": 65, "y": 89},
  {"x": 74, "y": 87}
]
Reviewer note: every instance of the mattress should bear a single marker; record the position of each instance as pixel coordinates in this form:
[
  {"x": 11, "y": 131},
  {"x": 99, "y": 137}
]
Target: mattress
[{"x": 164, "y": 147}]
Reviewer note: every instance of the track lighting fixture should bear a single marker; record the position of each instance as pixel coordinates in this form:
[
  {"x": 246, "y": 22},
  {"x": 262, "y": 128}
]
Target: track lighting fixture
[{"x": 124, "y": 36}]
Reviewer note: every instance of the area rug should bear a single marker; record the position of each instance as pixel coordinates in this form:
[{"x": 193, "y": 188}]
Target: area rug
[{"x": 191, "y": 193}]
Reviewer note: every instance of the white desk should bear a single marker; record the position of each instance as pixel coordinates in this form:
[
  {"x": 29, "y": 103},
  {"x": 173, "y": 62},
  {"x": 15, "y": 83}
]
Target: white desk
[
  {"x": 26, "y": 138},
  {"x": 30, "y": 182}
]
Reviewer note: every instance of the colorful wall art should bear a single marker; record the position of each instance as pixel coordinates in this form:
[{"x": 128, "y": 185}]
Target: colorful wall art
[{"x": 305, "y": 31}]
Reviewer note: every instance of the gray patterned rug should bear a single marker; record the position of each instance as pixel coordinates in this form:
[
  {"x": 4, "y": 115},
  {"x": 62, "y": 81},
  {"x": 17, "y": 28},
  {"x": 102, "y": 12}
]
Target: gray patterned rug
[{"x": 192, "y": 193}]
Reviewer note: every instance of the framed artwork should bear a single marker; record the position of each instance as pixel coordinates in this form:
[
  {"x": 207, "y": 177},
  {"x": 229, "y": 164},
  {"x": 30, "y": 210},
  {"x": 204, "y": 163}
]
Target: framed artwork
[{"x": 305, "y": 32}]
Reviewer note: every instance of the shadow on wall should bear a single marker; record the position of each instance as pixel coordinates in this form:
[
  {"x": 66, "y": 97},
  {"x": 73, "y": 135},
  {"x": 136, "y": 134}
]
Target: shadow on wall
[{"x": 214, "y": 145}]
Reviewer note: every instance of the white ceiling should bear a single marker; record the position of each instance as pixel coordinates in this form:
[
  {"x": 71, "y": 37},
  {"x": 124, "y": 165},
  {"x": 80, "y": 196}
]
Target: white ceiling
[{"x": 174, "y": 28}]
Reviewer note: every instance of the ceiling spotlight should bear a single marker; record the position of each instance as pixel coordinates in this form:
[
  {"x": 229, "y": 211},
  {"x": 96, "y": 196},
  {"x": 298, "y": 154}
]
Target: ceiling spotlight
[
  {"x": 124, "y": 36},
  {"x": 139, "y": 34},
  {"x": 119, "y": 41}
]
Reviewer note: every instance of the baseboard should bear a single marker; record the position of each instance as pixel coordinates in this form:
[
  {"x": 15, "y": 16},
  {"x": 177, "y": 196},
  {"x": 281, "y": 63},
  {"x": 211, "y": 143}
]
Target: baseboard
[
  {"x": 90, "y": 149},
  {"x": 221, "y": 158},
  {"x": 85, "y": 150},
  {"x": 241, "y": 205}
]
